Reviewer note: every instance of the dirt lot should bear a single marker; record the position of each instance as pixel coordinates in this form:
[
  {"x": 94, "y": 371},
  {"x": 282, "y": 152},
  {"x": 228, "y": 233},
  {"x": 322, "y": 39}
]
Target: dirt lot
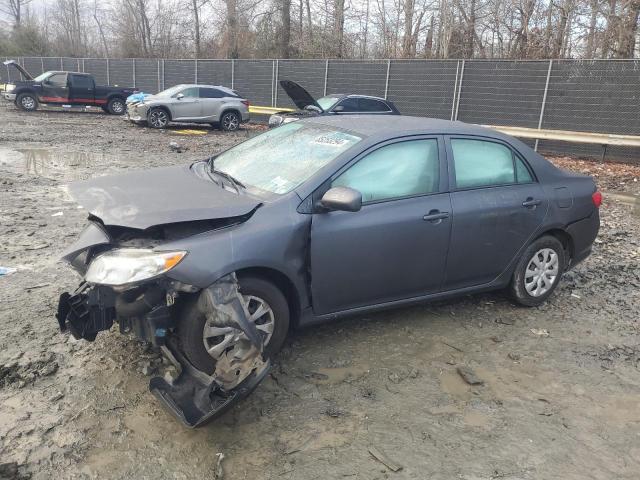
[{"x": 563, "y": 405}]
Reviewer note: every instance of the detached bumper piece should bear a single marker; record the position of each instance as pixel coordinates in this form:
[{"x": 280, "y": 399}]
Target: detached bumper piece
[
  {"x": 86, "y": 312},
  {"x": 196, "y": 398}
]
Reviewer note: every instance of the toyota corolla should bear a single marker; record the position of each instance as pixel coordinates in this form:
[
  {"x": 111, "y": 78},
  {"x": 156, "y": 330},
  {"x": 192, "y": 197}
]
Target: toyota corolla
[{"x": 321, "y": 218}]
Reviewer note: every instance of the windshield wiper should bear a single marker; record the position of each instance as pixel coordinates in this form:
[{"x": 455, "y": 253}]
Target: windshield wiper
[{"x": 230, "y": 178}]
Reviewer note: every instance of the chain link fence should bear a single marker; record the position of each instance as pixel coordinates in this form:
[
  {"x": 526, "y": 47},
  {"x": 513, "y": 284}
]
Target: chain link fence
[{"x": 584, "y": 95}]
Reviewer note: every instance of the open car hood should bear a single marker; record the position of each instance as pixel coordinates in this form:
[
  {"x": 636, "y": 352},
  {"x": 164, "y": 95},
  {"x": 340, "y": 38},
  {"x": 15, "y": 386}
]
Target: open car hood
[
  {"x": 23, "y": 72},
  {"x": 299, "y": 95},
  {"x": 159, "y": 196}
]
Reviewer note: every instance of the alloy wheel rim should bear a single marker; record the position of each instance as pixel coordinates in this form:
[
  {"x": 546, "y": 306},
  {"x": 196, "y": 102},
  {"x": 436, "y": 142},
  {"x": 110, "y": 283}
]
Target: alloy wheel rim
[
  {"x": 218, "y": 340},
  {"x": 158, "y": 119},
  {"x": 542, "y": 272},
  {"x": 117, "y": 107},
  {"x": 230, "y": 122},
  {"x": 28, "y": 102}
]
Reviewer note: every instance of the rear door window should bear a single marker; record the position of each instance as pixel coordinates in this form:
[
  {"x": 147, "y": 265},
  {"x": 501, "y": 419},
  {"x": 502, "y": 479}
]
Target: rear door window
[
  {"x": 480, "y": 163},
  {"x": 372, "y": 105},
  {"x": 212, "y": 93},
  {"x": 81, "y": 81}
]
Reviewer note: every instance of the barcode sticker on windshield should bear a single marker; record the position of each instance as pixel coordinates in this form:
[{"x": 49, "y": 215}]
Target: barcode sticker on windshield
[{"x": 334, "y": 139}]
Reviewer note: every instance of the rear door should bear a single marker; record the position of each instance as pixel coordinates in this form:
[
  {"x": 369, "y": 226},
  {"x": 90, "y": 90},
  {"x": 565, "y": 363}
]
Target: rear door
[
  {"x": 185, "y": 105},
  {"x": 498, "y": 205},
  {"x": 395, "y": 247},
  {"x": 55, "y": 89},
  {"x": 81, "y": 89},
  {"x": 211, "y": 100}
]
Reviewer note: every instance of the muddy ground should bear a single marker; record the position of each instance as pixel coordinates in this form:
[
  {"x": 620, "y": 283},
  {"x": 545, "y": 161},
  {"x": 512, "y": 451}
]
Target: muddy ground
[{"x": 563, "y": 405}]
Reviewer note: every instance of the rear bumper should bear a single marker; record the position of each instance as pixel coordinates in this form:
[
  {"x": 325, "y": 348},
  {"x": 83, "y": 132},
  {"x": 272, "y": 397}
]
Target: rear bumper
[{"x": 583, "y": 233}]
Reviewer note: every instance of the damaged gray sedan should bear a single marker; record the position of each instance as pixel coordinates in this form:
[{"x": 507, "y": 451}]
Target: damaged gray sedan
[{"x": 314, "y": 220}]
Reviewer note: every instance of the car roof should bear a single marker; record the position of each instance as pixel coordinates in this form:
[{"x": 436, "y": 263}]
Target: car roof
[
  {"x": 355, "y": 95},
  {"x": 393, "y": 126},
  {"x": 202, "y": 85},
  {"x": 67, "y": 71}
]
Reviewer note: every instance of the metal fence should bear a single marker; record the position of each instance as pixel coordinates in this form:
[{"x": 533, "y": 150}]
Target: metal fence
[{"x": 585, "y": 95}]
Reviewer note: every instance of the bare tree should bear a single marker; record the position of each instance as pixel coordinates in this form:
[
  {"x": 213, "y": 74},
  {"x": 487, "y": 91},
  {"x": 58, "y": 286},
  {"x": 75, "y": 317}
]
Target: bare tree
[{"x": 14, "y": 9}]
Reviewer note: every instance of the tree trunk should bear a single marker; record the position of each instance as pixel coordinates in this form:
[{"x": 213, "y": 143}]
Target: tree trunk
[
  {"x": 628, "y": 30},
  {"x": 408, "y": 28},
  {"x": 591, "y": 36},
  {"x": 286, "y": 29},
  {"x": 196, "y": 27},
  {"x": 232, "y": 28},
  {"x": 338, "y": 26}
]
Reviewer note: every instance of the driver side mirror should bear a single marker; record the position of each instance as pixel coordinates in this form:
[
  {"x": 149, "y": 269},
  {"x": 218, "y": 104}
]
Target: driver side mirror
[
  {"x": 339, "y": 108},
  {"x": 342, "y": 199},
  {"x": 180, "y": 96}
]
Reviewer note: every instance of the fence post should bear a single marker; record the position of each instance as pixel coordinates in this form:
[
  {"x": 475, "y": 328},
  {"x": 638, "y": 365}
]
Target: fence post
[
  {"x": 158, "y": 74},
  {"x": 544, "y": 102},
  {"x": 78, "y": 64},
  {"x": 8, "y": 71},
  {"x": 83, "y": 71},
  {"x": 61, "y": 64},
  {"x": 459, "y": 89},
  {"x": 455, "y": 91},
  {"x": 133, "y": 64},
  {"x": 386, "y": 82},
  {"x": 42, "y": 64},
  {"x": 273, "y": 74},
  {"x": 108, "y": 74},
  {"x": 326, "y": 76},
  {"x": 196, "y": 69},
  {"x": 233, "y": 73},
  {"x": 163, "y": 76},
  {"x": 275, "y": 84}
]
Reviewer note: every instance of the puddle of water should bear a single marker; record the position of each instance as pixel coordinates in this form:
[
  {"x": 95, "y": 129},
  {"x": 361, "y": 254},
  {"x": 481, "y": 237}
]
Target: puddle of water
[{"x": 43, "y": 162}]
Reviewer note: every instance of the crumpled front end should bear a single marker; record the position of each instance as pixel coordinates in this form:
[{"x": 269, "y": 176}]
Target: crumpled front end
[{"x": 124, "y": 283}]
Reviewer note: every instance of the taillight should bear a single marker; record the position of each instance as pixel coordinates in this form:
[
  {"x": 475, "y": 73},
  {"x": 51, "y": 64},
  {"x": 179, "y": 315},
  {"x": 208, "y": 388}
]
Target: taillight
[
  {"x": 246, "y": 102},
  {"x": 597, "y": 199}
]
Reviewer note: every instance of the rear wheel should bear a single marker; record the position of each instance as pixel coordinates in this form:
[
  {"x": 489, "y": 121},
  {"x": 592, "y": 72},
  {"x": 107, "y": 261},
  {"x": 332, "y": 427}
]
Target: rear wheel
[
  {"x": 230, "y": 121},
  {"x": 538, "y": 272},
  {"x": 266, "y": 307},
  {"x": 27, "y": 102},
  {"x": 158, "y": 118},
  {"x": 116, "y": 106}
]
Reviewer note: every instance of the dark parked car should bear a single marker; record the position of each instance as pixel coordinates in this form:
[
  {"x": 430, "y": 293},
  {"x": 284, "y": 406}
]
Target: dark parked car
[
  {"x": 64, "y": 88},
  {"x": 329, "y": 105},
  {"x": 317, "y": 219}
]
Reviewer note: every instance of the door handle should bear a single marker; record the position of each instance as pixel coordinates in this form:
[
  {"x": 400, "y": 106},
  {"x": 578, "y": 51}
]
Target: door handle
[
  {"x": 435, "y": 216},
  {"x": 531, "y": 202}
]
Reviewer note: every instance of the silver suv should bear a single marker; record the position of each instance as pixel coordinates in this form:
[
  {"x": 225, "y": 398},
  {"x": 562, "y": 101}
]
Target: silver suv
[{"x": 216, "y": 105}]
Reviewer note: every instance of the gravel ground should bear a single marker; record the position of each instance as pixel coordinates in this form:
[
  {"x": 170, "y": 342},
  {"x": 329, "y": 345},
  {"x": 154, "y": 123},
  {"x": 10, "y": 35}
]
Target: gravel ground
[{"x": 560, "y": 391}]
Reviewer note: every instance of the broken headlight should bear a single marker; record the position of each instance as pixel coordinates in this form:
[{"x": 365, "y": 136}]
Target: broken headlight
[{"x": 128, "y": 265}]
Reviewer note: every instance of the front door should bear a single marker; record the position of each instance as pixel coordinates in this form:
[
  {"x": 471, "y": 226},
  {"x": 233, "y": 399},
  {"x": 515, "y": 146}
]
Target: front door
[
  {"x": 55, "y": 89},
  {"x": 81, "y": 89},
  {"x": 186, "y": 105},
  {"x": 395, "y": 247},
  {"x": 497, "y": 207}
]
